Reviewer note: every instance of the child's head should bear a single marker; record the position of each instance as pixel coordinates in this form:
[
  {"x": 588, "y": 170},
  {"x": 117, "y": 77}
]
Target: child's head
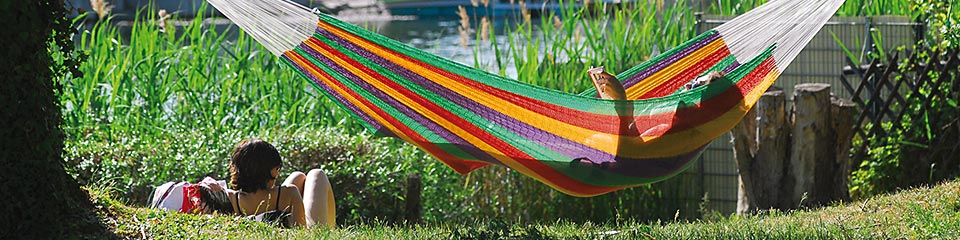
[{"x": 252, "y": 165}]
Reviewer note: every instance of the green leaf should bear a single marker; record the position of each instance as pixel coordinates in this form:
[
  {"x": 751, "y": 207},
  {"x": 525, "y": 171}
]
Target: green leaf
[{"x": 846, "y": 50}]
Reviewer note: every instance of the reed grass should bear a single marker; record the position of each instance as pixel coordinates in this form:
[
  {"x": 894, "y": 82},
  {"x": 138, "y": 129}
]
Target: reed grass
[
  {"x": 156, "y": 77},
  {"x": 878, "y": 8},
  {"x": 733, "y": 7}
]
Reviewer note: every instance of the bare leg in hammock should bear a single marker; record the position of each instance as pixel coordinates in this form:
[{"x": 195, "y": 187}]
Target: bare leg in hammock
[
  {"x": 318, "y": 201},
  {"x": 610, "y": 88}
]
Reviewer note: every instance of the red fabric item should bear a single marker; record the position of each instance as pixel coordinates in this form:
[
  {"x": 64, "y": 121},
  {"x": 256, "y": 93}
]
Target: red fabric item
[{"x": 191, "y": 199}]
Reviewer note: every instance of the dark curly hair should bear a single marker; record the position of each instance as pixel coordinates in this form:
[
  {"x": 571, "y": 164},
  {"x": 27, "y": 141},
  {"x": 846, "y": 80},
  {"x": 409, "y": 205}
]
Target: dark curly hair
[
  {"x": 251, "y": 163},
  {"x": 215, "y": 201}
]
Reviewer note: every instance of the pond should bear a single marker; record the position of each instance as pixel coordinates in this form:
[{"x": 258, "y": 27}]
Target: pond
[
  {"x": 438, "y": 36},
  {"x": 442, "y": 37}
]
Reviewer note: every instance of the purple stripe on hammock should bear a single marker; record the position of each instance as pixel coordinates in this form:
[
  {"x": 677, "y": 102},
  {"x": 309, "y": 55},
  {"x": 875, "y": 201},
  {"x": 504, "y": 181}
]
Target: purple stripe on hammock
[
  {"x": 732, "y": 66},
  {"x": 337, "y": 97},
  {"x": 404, "y": 109},
  {"x": 636, "y": 78},
  {"x": 556, "y": 143}
]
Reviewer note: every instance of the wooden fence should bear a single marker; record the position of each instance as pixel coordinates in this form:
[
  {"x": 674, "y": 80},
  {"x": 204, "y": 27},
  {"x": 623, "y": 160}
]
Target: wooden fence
[{"x": 893, "y": 91}]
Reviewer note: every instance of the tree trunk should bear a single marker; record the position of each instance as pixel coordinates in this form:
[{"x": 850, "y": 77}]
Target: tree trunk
[{"x": 40, "y": 201}]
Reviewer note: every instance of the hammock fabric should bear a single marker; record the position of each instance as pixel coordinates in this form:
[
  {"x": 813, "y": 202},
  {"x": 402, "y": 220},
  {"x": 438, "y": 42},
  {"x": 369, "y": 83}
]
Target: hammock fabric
[{"x": 578, "y": 144}]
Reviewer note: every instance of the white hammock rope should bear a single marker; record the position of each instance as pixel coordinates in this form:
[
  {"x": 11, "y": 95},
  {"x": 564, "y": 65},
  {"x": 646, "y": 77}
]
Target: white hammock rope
[
  {"x": 789, "y": 24},
  {"x": 281, "y": 25}
]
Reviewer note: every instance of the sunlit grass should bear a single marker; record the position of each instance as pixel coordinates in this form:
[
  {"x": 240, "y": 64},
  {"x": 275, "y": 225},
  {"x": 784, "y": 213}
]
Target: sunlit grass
[{"x": 924, "y": 213}]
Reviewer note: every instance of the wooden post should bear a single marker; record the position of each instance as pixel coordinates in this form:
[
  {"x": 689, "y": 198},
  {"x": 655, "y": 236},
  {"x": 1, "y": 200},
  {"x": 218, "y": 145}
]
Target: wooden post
[
  {"x": 843, "y": 112},
  {"x": 414, "y": 188},
  {"x": 760, "y": 147},
  {"x": 811, "y": 156}
]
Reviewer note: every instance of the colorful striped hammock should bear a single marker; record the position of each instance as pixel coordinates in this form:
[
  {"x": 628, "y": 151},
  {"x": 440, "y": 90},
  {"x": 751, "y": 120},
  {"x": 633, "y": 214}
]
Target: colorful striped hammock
[{"x": 576, "y": 143}]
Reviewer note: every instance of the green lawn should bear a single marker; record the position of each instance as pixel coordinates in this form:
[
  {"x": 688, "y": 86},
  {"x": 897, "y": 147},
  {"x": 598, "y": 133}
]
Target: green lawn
[{"x": 922, "y": 213}]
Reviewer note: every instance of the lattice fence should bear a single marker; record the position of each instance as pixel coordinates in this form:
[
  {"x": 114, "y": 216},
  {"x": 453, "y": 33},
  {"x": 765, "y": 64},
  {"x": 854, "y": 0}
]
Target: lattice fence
[{"x": 890, "y": 93}]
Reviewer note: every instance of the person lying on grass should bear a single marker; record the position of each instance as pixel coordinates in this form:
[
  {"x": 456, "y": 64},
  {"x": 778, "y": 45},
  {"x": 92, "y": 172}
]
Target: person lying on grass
[{"x": 302, "y": 199}]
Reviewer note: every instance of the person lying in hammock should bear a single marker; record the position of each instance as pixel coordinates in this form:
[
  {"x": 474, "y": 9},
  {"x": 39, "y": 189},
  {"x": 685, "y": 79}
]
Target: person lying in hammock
[
  {"x": 609, "y": 87},
  {"x": 302, "y": 199}
]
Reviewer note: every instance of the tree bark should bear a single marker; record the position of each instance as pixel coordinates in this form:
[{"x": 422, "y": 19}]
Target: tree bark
[{"x": 39, "y": 199}]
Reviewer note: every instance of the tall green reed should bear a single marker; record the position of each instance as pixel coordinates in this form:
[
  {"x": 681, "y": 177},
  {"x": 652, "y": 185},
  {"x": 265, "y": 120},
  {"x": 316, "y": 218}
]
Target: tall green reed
[
  {"x": 733, "y": 7},
  {"x": 163, "y": 74},
  {"x": 877, "y": 8}
]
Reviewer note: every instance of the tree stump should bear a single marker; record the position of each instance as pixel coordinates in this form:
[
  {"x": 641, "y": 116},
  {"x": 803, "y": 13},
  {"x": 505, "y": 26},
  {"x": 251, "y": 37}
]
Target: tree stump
[
  {"x": 788, "y": 162},
  {"x": 760, "y": 146},
  {"x": 813, "y": 150},
  {"x": 843, "y": 112}
]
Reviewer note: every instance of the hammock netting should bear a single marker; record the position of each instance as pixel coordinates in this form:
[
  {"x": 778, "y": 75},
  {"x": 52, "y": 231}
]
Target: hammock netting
[{"x": 576, "y": 143}]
